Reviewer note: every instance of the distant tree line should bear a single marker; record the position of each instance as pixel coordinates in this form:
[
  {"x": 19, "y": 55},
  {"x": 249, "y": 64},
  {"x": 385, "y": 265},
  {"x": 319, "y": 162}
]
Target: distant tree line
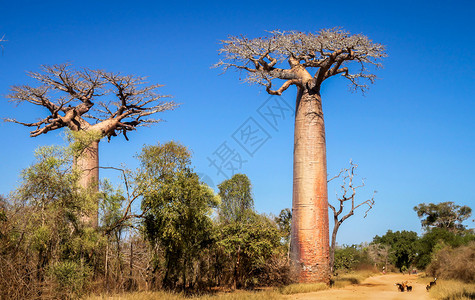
[{"x": 443, "y": 250}]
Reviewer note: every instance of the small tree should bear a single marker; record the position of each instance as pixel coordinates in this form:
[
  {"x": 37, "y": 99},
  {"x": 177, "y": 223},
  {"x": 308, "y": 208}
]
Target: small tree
[
  {"x": 446, "y": 215},
  {"x": 348, "y": 194},
  {"x": 246, "y": 239},
  {"x": 403, "y": 247},
  {"x": 93, "y": 104},
  {"x": 284, "y": 221},
  {"x": 312, "y": 58},
  {"x": 248, "y": 247},
  {"x": 236, "y": 198},
  {"x": 178, "y": 208}
]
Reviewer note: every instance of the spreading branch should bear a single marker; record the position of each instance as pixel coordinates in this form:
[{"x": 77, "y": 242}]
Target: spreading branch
[
  {"x": 329, "y": 50},
  {"x": 85, "y": 99},
  {"x": 131, "y": 197}
]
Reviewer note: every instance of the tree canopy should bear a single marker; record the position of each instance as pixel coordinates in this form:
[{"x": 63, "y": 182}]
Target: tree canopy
[
  {"x": 403, "y": 247},
  {"x": 446, "y": 215},
  {"x": 329, "y": 50},
  {"x": 178, "y": 209},
  {"x": 236, "y": 198},
  {"x": 85, "y": 99}
]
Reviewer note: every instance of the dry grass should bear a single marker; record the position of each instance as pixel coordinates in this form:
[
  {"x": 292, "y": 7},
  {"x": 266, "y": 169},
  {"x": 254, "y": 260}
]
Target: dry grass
[
  {"x": 236, "y": 295},
  {"x": 452, "y": 290},
  {"x": 356, "y": 277},
  {"x": 297, "y": 288}
]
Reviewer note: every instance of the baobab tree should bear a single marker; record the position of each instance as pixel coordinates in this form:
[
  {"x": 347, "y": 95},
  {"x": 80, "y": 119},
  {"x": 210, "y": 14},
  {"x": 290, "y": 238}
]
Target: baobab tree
[
  {"x": 348, "y": 190},
  {"x": 312, "y": 58},
  {"x": 93, "y": 104}
]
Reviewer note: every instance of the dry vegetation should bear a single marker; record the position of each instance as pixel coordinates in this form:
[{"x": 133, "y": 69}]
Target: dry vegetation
[
  {"x": 237, "y": 295},
  {"x": 340, "y": 281},
  {"x": 453, "y": 290},
  {"x": 352, "y": 278},
  {"x": 454, "y": 263},
  {"x": 298, "y": 288}
]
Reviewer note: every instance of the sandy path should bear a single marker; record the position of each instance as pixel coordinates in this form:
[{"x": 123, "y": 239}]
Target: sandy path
[{"x": 373, "y": 288}]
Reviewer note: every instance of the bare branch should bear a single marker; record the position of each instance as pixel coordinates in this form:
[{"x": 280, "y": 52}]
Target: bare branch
[
  {"x": 131, "y": 102},
  {"x": 347, "y": 197},
  {"x": 328, "y": 50}
]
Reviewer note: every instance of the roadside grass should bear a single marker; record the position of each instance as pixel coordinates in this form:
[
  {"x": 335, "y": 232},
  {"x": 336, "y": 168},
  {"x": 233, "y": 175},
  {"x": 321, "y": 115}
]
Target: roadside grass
[
  {"x": 235, "y": 295},
  {"x": 340, "y": 281},
  {"x": 297, "y": 288},
  {"x": 452, "y": 290},
  {"x": 354, "y": 277}
]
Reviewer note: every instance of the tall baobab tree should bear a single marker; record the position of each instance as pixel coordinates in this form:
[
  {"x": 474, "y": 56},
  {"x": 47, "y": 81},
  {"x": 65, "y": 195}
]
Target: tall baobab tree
[
  {"x": 93, "y": 104},
  {"x": 312, "y": 58}
]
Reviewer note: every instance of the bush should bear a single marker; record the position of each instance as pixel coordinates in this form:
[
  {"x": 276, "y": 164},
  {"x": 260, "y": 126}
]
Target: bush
[
  {"x": 70, "y": 278},
  {"x": 454, "y": 263},
  {"x": 354, "y": 257}
]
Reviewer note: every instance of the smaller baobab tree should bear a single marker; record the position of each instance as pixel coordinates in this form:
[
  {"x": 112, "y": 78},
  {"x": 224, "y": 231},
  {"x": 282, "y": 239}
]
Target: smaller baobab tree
[
  {"x": 93, "y": 104},
  {"x": 346, "y": 198}
]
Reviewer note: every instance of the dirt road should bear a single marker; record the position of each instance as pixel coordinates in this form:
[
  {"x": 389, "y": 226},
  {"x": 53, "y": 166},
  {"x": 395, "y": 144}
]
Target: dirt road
[{"x": 374, "y": 288}]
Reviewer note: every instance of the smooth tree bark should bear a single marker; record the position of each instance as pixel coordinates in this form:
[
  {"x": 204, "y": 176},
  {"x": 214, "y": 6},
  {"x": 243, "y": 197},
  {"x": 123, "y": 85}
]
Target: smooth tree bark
[
  {"x": 311, "y": 58},
  {"x": 93, "y": 104},
  {"x": 348, "y": 196}
]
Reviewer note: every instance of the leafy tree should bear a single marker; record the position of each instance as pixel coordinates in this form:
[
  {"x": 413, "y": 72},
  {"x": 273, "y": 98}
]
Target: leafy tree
[
  {"x": 246, "y": 240},
  {"x": 284, "y": 221},
  {"x": 403, "y": 247},
  {"x": 45, "y": 220},
  {"x": 350, "y": 257},
  {"x": 248, "y": 247},
  {"x": 236, "y": 198},
  {"x": 312, "y": 58},
  {"x": 177, "y": 210},
  {"x": 93, "y": 104},
  {"x": 443, "y": 215},
  {"x": 440, "y": 236}
]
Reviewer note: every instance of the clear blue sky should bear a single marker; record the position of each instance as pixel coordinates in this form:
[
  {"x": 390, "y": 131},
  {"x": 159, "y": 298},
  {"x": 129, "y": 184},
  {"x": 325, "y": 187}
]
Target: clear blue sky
[{"x": 413, "y": 134}]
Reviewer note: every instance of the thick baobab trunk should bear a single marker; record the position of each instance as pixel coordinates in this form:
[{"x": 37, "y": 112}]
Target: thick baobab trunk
[
  {"x": 87, "y": 164},
  {"x": 310, "y": 231}
]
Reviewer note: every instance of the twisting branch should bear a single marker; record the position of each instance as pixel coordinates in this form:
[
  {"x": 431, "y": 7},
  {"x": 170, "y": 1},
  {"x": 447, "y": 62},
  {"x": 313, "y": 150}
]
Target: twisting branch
[
  {"x": 130, "y": 101},
  {"x": 348, "y": 195},
  {"x": 282, "y": 88},
  {"x": 127, "y": 213},
  {"x": 328, "y": 50}
]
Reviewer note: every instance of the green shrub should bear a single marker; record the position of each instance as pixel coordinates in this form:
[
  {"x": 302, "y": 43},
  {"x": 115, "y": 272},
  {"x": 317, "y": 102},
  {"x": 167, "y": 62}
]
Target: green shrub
[
  {"x": 352, "y": 257},
  {"x": 70, "y": 278}
]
